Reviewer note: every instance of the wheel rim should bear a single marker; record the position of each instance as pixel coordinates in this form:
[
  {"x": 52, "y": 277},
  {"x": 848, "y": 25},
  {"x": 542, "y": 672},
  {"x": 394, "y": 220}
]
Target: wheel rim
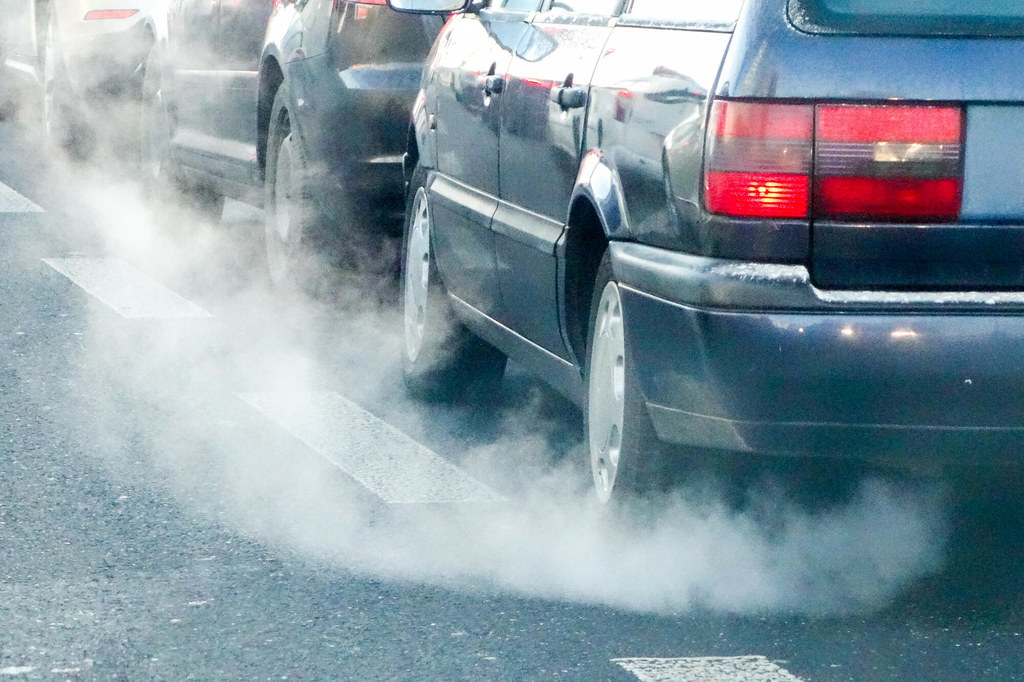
[
  {"x": 280, "y": 229},
  {"x": 158, "y": 134},
  {"x": 606, "y": 392},
  {"x": 417, "y": 276}
]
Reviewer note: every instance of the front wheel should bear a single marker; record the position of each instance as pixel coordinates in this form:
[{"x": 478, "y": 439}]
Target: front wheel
[
  {"x": 160, "y": 176},
  {"x": 624, "y": 451},
  {"x": 442, "y": 360}
]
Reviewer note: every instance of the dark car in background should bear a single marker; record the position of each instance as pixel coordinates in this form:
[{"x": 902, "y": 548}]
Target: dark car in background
[
  {"x": 778, "y": 227},
  {"x": 299, "y": 107}
]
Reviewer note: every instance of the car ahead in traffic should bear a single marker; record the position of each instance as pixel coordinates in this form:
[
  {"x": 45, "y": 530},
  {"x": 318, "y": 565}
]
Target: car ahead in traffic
[
  {"x": 83, "y": 58},
  {"x": 299, "y": 107},
  {"x": 782, "y": 227}
]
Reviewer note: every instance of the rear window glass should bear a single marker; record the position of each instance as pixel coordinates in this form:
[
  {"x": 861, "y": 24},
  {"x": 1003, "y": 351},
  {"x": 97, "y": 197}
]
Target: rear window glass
[{"x": 913, "y": 17}]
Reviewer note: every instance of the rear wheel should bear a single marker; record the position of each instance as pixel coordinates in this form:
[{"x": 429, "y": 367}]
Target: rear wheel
[
  {"x": 625, "y": 454},
  {"x": 288, "y": 204},
  {"x": 442, "y": 360}
]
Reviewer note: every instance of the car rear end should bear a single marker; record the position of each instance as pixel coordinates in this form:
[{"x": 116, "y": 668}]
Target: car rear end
[
  {"x": 859, "y": 289},
  {"x": 103, "y": 44},
  {"x": 359, "y": 110}
]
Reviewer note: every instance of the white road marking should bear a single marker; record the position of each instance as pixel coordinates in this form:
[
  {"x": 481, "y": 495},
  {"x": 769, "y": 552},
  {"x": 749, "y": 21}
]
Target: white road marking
[
  {"x": 707, "y": 669},
  {"x": 16, "y": 670},
  {"x": 12, "y": 202},
  {"x": 128, "y": 291},
  {"x": 390, "y": 464}
]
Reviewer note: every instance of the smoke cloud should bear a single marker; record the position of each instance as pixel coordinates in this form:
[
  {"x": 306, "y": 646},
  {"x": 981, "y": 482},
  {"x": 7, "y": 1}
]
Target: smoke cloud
[{"x": 160, "y": 399}]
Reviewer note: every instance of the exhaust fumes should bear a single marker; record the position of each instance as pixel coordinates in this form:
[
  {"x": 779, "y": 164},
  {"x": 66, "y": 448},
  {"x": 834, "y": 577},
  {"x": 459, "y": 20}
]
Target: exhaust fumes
[{"x": 164, "y": 393}]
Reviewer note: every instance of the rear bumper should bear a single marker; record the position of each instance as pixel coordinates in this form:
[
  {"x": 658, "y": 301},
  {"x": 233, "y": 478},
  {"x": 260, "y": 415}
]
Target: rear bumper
[
  {"x": 753, "y": 357},
  {"x": 354, "y": 130},
  {"x": 104, "y": 57}
]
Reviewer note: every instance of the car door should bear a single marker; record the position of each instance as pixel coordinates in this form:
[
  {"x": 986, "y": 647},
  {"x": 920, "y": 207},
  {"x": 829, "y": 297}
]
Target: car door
[
  {"x": 541, "y": 141},
  {"x": 475, "y": 51},
  {"x": 192, "y": 57},
  {"x": 216, "y": 58},
  {"x": 241, "y": 29}
]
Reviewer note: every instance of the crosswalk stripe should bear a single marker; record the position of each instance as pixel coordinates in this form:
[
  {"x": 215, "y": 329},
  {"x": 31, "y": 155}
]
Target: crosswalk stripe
[
  {"x": 387, "y": 462},
  {"x": 123, "y": 288},
  {"x": 706, "y": 669},
  {"x": 12, "y": 202}
]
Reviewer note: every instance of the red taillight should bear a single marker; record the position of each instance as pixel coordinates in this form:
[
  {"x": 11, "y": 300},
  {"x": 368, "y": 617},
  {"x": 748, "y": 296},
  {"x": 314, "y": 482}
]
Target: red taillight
[
  {"x": 870, "y": 162},
  {"x": 100, "y": 14},
  {"x": 891, "y": 162},
  {"x": 759, "y": 159}
]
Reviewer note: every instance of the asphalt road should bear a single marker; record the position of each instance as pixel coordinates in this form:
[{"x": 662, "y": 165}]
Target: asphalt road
[{"x": 204, "y": 478}]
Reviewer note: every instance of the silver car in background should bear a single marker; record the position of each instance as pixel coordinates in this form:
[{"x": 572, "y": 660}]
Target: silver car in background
[{"x": 78, "y": 61}]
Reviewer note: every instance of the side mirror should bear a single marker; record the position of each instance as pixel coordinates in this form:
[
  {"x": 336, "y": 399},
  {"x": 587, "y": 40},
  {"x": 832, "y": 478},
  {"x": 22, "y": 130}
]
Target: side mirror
[{"x": 429, "y": 6}]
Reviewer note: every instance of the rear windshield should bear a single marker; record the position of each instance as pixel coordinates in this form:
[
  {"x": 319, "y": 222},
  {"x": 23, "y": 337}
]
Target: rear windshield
[
  {"x": 910, "y": 17},
  {"x": 719, "y": 12}
]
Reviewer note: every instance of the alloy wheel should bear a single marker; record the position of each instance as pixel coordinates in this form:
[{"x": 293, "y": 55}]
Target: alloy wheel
[
  {"x": 280, "y": 229},
  {"x": 417, "y": 276},
  {"x": 606, "y": 392}
]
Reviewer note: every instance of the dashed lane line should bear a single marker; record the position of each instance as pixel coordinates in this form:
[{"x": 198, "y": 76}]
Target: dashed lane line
[
  {"x": 129, "y": 292},
  {"x": 12, "y": 202},
  {"x": 706, "y": 669},
  {"x": 387, "y": 462}
]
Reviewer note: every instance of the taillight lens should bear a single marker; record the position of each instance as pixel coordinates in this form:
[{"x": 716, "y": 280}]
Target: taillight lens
[
  {"x": 888, "y": 162},
  {"x": 107, "y": 14},
  {"x": 894, "y": 163},
  {"x": 759, "y": 159}
]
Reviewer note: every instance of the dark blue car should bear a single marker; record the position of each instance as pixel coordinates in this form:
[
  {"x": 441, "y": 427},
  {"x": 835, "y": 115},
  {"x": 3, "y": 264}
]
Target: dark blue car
[
  {"x": 298, "y": 106},
  {"x": 775, "y": 226}
]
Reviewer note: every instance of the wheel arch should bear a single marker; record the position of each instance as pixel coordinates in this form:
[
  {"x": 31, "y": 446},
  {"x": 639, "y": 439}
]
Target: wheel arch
[
  {"x": 583, "y": 245},
  {"x": 597, "y": 215},
  {"x": 270, "y": 80}
]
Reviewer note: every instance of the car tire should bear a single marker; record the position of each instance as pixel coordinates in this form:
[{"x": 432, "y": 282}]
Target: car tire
[
  {"x": 292, "y": 220},
  {"x": 63, "y": 129},
  {"x": 626, "y": 457},
  {"x": 161, "y": 178},
  {"x": 442, "y": 360}
]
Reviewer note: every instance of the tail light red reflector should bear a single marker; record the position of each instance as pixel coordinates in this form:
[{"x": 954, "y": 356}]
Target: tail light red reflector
[
  {"x": 759, "y": 159},
  {"x": 888, "y": 162},
  {"x": 888, "y": 198},
  {"x": 860, "y": 123},
  {"x": 100, "y": 14}
]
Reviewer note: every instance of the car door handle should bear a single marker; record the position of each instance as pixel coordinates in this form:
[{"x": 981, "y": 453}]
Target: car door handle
[
  {"x": 494, "y": 85},
  {"x": 569, "y": 97}
]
